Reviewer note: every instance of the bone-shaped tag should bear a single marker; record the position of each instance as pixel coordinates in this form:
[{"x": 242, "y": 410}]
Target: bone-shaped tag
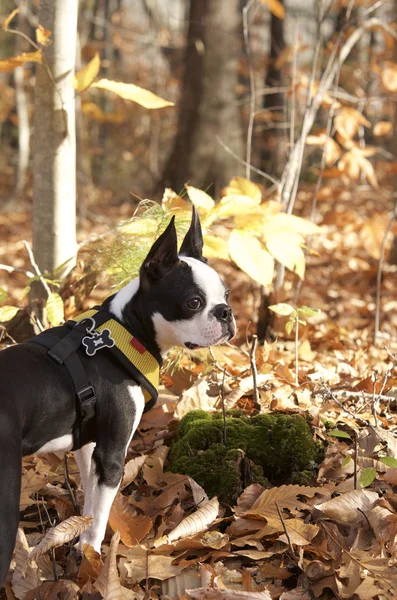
[{"x": 96, "y": 341}]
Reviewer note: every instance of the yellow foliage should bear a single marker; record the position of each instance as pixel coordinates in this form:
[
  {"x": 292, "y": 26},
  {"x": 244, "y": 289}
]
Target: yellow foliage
[
  {"x": 11, "y": 63},
  {"x": 84, "y": 78},
  {"x": 249, "y": 254},
  {"x": 239, "y": 186},
  {"x": 129, "y": 91}
]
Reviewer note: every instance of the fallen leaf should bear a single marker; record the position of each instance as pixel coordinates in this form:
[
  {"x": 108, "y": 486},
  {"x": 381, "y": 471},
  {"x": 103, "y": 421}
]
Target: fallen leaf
[{"x": 61, "y": 534}]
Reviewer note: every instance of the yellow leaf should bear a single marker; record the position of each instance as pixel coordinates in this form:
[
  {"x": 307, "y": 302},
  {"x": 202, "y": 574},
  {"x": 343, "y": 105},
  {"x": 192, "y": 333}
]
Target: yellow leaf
[
  {"x": 10, "y": 18},
  {"x": 54, "y": 306},
  {"x": 43, "y": 35},
  {"x": 215, "y": 247},
  {"x": 383, "y": 128},
  {"x": 7, "y": 313},
  {"x": 275, "y": 7},
  {"x": 285, "y": 246},
  {"x": 11, "y": 63},
  {"x": 129, "y": 91},
  {"x": 239, "y": 186},
  {"x": 171, "y": 201},
  {"x": 201, "y": 200},
  {"x": 282, "y": 309},
  {"x": 332, "y": 149},
  {"x": 287, "y": 222},
  {"x": 84, "y": 78},
  {"x": 249, "y": 254},
  {"x": 235, "y": 204}
]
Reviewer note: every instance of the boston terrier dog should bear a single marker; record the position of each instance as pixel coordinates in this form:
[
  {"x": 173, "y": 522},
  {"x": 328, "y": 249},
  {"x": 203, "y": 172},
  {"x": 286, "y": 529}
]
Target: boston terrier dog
[{"x": 67, "y": 390}]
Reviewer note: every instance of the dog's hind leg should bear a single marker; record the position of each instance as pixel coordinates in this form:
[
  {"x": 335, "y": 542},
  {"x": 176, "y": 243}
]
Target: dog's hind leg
[{"x": 10, "y": 489}]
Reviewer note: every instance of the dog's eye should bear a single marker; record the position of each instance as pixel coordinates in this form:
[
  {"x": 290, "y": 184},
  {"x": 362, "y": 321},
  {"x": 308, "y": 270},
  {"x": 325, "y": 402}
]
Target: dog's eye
[{"x": 194, "y": 303}]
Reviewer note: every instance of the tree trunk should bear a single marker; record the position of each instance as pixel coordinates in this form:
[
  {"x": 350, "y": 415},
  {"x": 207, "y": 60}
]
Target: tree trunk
[
  {"x": 54, "y": 188},
  {"x": 208, "y": 108},
  {"x": 274, "y": 139}
]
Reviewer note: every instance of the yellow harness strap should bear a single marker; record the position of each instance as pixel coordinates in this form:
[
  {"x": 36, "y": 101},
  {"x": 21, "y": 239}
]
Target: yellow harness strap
[{"x": 131, "y": 349}]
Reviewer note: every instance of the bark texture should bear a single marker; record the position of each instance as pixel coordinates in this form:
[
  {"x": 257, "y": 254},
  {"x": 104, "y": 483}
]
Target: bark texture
[
  {"x": 208, "y": 105},
  {"x": 274, "y": 139},
  {"x": 54, "y": 188}
]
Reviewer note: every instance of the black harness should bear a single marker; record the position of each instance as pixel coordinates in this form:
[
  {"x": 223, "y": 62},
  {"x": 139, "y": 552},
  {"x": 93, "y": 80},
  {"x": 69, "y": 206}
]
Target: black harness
[{"x": 92, "y": 331}]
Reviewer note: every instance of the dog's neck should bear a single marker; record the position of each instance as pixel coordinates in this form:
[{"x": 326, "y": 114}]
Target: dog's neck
[{"x": 129, "y": 308}]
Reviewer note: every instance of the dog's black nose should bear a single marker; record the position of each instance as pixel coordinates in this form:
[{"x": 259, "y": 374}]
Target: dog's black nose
[{"x": 223, "y": 312}]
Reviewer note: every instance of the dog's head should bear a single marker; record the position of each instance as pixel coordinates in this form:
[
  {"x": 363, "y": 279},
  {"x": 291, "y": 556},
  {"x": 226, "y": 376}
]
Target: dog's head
[{"x": 185, "y": 296}]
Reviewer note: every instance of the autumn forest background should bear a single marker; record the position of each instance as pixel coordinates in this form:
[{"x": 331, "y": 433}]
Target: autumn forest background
[{"x": 268, "y": 468}]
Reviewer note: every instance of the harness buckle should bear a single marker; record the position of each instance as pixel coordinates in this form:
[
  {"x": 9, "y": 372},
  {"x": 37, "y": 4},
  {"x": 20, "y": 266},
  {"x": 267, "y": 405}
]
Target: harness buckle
[{"x": 87, "y": 399}]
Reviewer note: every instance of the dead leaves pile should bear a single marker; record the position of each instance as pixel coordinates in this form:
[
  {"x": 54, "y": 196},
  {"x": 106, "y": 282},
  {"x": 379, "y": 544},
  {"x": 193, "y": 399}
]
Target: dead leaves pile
[{"x": 335, "y": 539}]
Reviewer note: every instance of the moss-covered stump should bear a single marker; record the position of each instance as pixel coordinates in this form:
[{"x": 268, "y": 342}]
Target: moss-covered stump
[{"x": 279, "y": 448}]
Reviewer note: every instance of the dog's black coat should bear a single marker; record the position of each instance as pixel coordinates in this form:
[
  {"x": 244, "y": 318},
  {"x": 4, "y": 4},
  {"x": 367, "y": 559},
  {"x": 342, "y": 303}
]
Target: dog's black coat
[{"x": 37, "y": 396}]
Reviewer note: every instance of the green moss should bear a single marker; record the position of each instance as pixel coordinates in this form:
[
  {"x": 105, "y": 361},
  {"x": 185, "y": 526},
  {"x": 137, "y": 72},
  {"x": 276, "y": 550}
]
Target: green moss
[{"x": 280, "y": 449}]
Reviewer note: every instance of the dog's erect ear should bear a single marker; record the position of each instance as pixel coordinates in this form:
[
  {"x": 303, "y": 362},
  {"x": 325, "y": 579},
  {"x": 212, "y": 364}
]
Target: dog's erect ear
[
  {"x": 163, "y": 255},
  {"x": 192, "y": 244}
]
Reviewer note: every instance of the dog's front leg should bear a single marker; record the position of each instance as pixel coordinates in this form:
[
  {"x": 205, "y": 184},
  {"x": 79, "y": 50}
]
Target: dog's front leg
[
  {"x": 105, "y": 468},
  {"x": 86, "y": 465}
]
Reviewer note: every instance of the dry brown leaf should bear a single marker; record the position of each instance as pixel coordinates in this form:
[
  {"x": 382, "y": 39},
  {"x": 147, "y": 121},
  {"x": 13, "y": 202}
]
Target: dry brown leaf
[
  {"x": 382, "y": 128},
  {"x": 153, "y": 468},
  {"x": 247, "y": 498},
  {"x": 26, "y": 574},
  {"x": 31, "y": 483},
  {"x": 349, "y": 506},
  {"x": 108, "y": 582},
  {"x": 91, "y": 564},
  {"x": 61, "y": 534},
  {"x": 348, "y": 121},
  {"x": 285, "y": 496},
  {"x": 195, "y": 398},
  {"x": 131, "y": 470},
  {"x": 137, "y": 564},
  {"x": 299, "y": 532},
  {"x": 219, "y": 594},
  {"x": 245, "y": 387},
  {"x": 124, "y": 517},
  {"x": 388, "y": 76},
  {"x": 43, "y": 35},
  {"x": 199, "y": 495},
  {"x": 194, "y": 523}
]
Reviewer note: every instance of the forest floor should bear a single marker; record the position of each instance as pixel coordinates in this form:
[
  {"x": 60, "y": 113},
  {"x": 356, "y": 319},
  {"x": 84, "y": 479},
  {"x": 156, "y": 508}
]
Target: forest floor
[{"x": 335, "y": 538}]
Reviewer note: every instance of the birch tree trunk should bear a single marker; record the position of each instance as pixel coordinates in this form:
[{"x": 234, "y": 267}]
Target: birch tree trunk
[{"x": 54, "y": 187}]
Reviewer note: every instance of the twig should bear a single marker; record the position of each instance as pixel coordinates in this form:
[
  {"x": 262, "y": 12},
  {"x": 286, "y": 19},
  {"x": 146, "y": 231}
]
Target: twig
[
  {"x": 253, "y": 367},
  {"x": 67, "y": 482},
  {"x": 355, "y": 461},
  {"x": 362, "y": 394},
  {"x": 380, "y": 269},
  {"x": 374, "y": 380},
  {"x": 36, "y": 267},
  {"x": 276, "y": 183},
  {"x": 286, "y": 533},
  {"x": 10, "y": 269},
  {"x": 223, "y": 406},
  {"x": 332, "y": 396},
  {"x": 251, "y": 87}
]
